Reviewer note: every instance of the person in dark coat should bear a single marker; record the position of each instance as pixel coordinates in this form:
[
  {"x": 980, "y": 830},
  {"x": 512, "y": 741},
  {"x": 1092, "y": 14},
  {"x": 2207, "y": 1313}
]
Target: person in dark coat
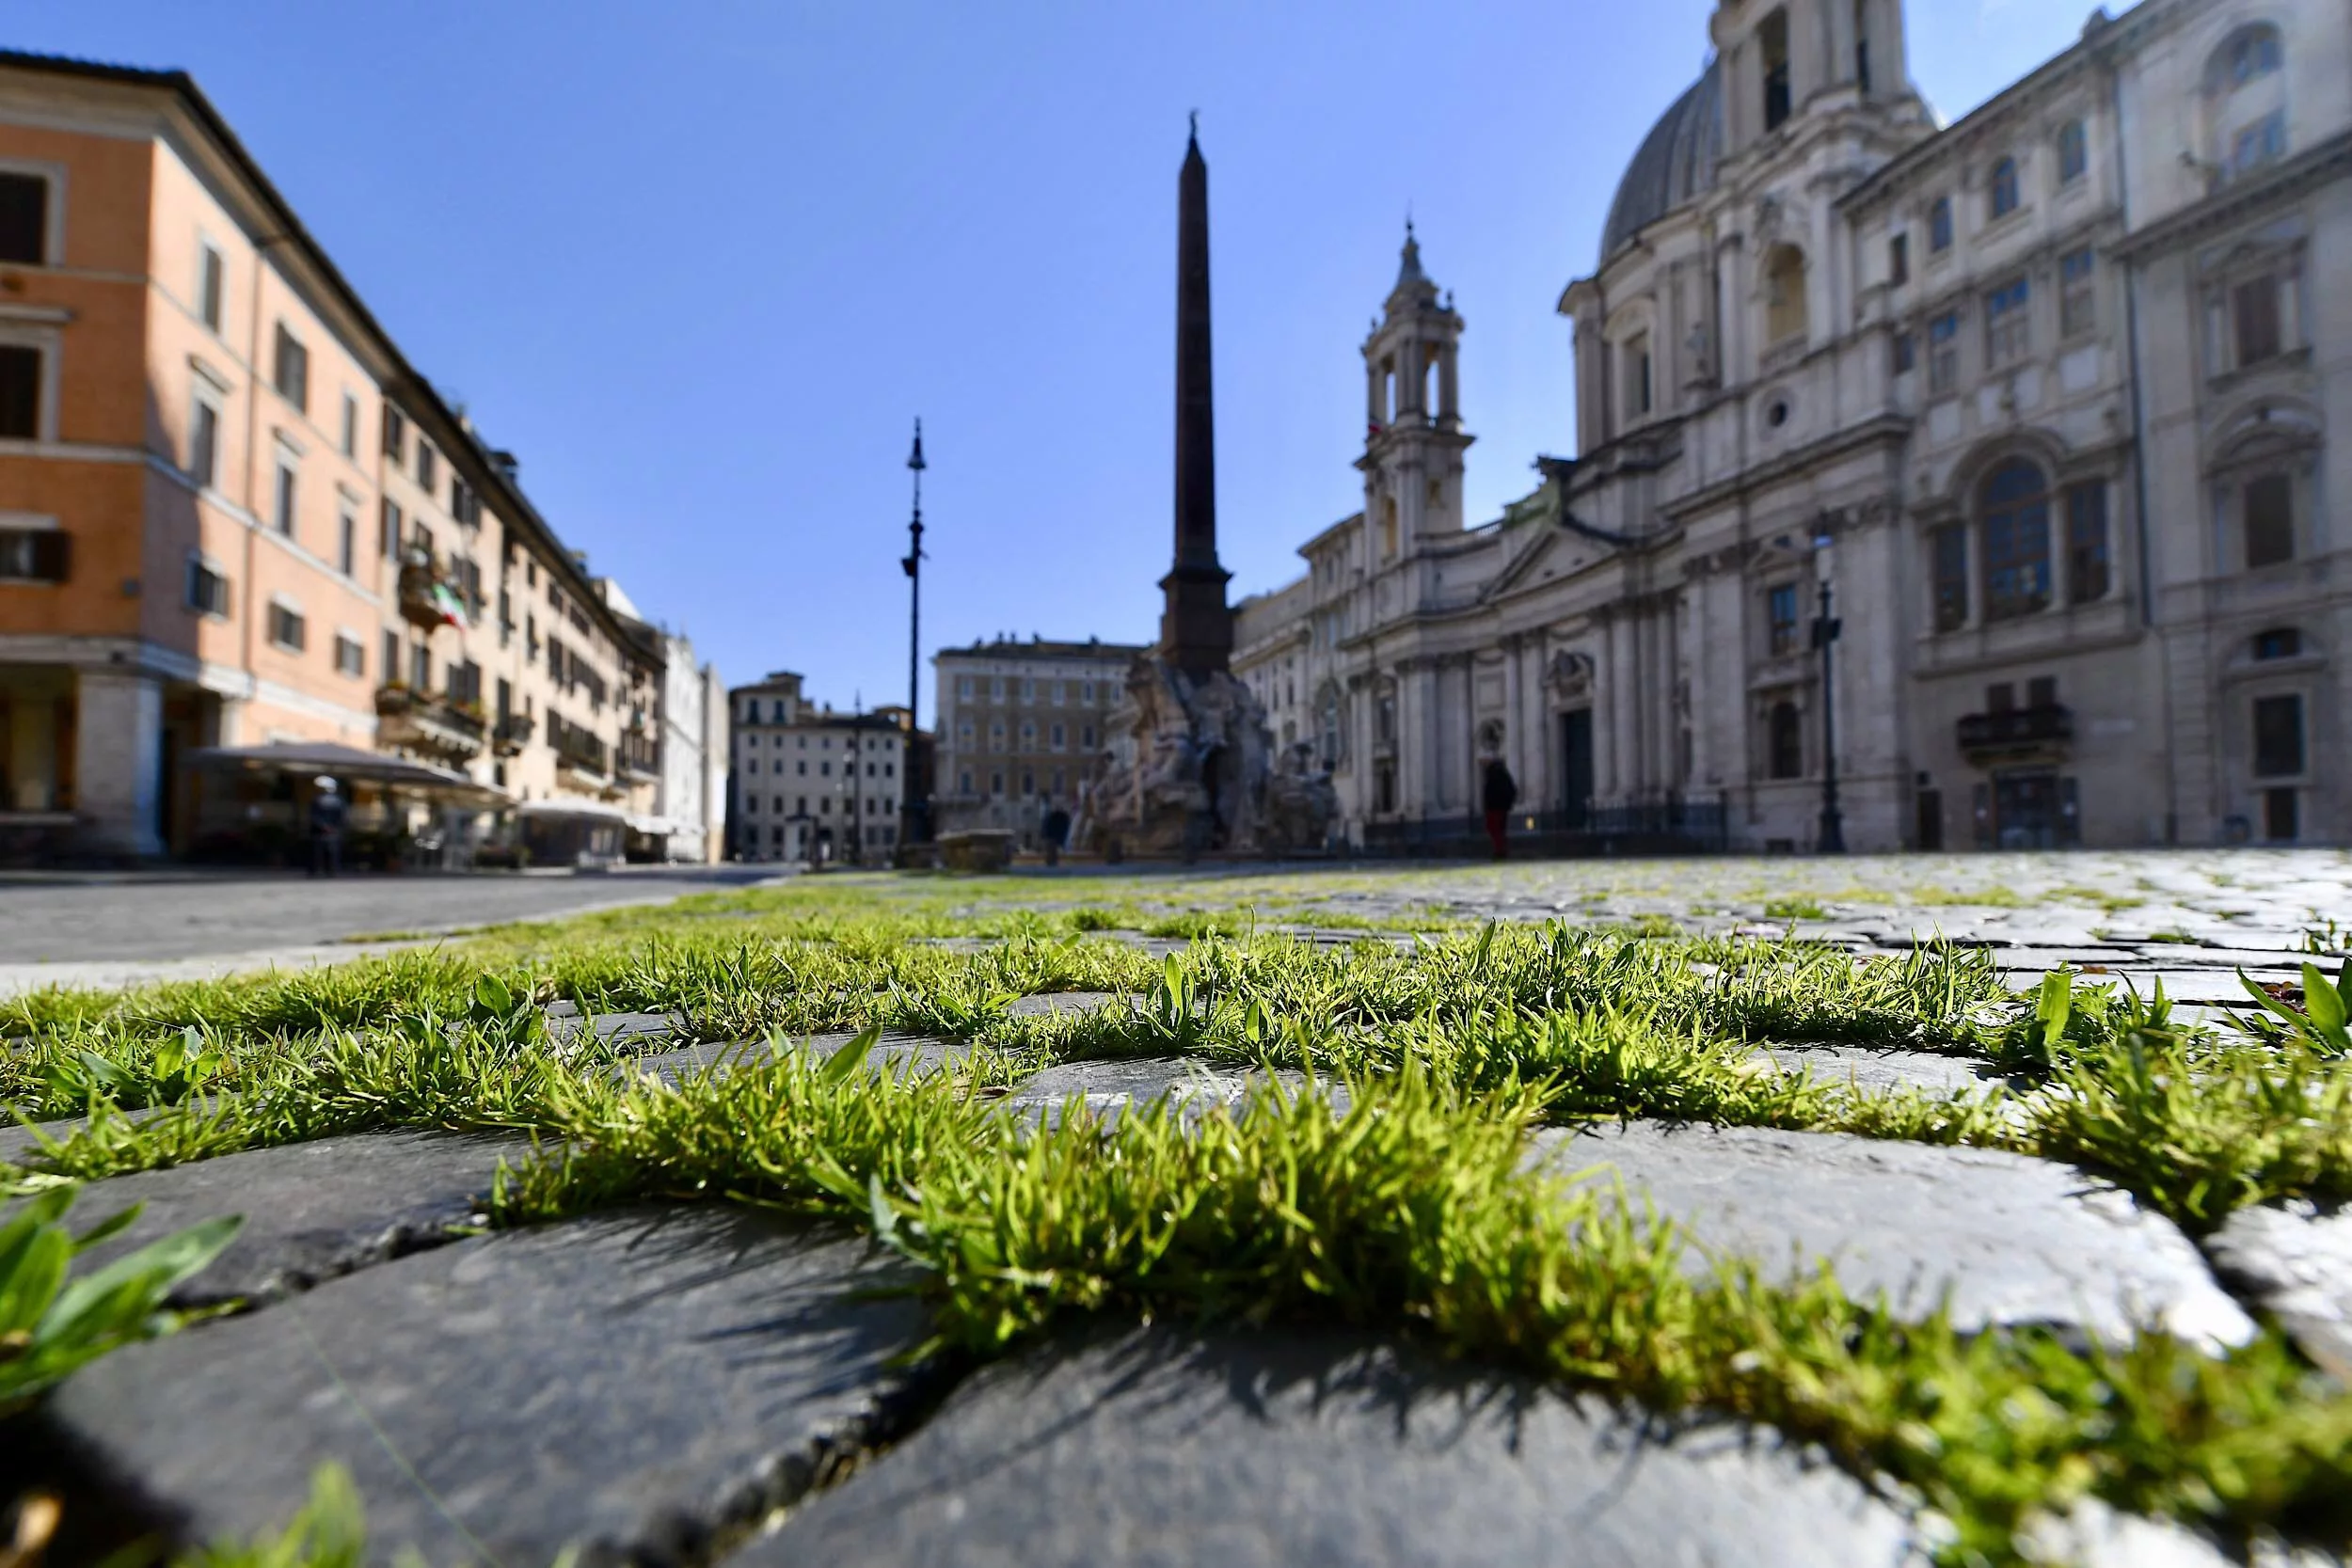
[
  {"x": 1500, "y": 793},
  {"x": 329, "y": 811}
]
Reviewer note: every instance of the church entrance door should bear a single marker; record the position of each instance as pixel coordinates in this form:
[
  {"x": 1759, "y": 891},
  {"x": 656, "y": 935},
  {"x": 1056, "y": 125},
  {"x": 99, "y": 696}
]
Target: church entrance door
[{"x": 1575, "y": 768}]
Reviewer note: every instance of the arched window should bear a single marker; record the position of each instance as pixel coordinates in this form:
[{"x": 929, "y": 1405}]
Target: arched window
[
  {"x": 2014, "y": 520},
  {"x": 1784, "y": 294},
  {"x": 2074, "y": 151},
  {"x": 2246, "y": 105},
  {"x": 2004, "y": 187},
  {"x": 1784, "y": 742}
]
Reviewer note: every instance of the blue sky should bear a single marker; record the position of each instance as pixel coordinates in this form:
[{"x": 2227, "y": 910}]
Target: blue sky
[{"x": 701, "y": 265}]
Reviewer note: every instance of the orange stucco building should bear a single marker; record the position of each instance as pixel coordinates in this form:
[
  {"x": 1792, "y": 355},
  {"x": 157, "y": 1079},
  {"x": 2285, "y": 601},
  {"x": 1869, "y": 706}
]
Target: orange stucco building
[{"x": 226, "y": 500}]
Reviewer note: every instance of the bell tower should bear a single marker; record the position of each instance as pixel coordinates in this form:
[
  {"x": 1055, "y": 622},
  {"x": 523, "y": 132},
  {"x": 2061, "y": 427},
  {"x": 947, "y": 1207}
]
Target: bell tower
[
  {"x": 1782, "y": 58},
  {"x": 1413, "y": 441}
]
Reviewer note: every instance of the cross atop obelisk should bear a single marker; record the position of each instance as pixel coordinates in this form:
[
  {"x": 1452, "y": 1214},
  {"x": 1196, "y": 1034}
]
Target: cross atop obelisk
[{"x": 1196, "y": 628}]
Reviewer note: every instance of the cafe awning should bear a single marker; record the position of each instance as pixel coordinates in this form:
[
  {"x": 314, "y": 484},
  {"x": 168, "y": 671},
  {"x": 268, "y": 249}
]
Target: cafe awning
[{"x": 349, "y": 764}]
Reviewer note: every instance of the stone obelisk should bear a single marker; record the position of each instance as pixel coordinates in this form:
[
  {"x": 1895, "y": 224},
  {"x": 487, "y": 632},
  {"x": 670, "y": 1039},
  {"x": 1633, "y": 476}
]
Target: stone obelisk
[{"x": 1196, "y": 628}]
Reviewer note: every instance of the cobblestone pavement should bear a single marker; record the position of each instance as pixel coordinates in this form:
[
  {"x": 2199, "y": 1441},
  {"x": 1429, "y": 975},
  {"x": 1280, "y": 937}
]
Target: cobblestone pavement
[
  {"x": 681, "y": 1384},
  {"x": 116, "y": 928}
]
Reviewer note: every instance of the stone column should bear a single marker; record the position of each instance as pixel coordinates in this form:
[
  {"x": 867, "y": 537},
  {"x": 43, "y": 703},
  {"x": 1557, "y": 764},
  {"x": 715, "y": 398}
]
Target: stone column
[
  {"x": 118, "y": 762},
  {"x": 1419, "y": 735},
  {"x": 1514, "y": 718},
  {"x": 1625, "y": 694},
  {"x": 1534, "y": 721}
]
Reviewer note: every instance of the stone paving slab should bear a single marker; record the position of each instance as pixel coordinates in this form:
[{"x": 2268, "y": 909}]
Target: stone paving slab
[
  {"x": 1931, "y": 1071},
  {"x": 1060, "y": 1003},
  {"x": 2296, "y": 1262},
  {"x": 313, "y": 1211},
  {"x": 1155, "y": 1451},
  {"x": 2016, "y": 1239},
  {"x": 628, "y": 1384},
  {"x": 892, "y": 1052},
  {"x": 1193, "y": 1085}
]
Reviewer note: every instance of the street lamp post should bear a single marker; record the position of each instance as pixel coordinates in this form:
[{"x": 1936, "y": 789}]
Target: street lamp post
[
  {"x": 912, "y": 562},
  {"x": 1826, "y": 629}
]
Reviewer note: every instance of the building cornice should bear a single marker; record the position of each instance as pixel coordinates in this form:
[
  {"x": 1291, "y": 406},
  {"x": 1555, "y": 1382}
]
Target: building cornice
[{"x": 2243, "y": 198}]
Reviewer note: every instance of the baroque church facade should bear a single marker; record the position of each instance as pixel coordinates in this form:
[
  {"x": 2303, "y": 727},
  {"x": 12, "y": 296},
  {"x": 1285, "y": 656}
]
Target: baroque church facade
[{"x": 2049, "y": 400}]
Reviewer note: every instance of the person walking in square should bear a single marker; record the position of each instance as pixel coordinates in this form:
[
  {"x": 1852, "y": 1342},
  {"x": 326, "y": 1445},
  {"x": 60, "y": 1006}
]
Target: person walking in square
[
  {"x": 1054, "y": 830},
  {"x": 329, "y": 811},
  {"x": 1499, "y": 794}
]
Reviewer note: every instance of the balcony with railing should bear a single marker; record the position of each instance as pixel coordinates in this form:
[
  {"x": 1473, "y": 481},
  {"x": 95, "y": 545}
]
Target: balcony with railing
[
  {"x": 427, "y": 597},
  {"x": 434, "y": 726},
  {"x": 2017, "y": 732},
  {"x": 511, "y": 733},
  {"x": 640, "y": 754},
  {"x": 579, "y": 751}
]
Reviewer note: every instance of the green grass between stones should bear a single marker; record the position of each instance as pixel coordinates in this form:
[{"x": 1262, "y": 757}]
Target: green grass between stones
[{"x": 1414, "y": 1212}]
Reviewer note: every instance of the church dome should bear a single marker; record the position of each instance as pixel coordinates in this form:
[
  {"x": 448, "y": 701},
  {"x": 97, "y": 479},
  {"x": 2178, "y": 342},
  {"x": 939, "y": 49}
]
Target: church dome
[{"x": 1674, "y": 164}]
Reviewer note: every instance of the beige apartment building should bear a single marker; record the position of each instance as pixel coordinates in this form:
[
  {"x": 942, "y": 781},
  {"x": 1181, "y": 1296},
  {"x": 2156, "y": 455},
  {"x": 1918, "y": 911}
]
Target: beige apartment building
[
  {"x": 1020, "y": 727},
  {"x": 811, "y": 785},
  {"x": 243, "y": 542}
]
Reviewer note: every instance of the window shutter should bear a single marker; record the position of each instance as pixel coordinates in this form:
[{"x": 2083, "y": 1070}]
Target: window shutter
[{"x": 52, "y": 552}]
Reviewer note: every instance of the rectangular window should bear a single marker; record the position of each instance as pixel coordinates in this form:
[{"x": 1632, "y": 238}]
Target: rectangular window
[
  {"x": 1950, "y": 548},
  {"x": 1944, "y": 353},
  {"x": 25, "y": 219},
  {"x": 1061, "y": 693},
  {"x": 1085, "y": 693},
  {"x": 350, "y": 657},
  {"x": 395, "y": 433},
  {"x": 963, "y": 689},
  {"x": 391, "y": 655},
  {"x": 1899, "y": 259},
  {"x": 1773, "y": 38},
  {"x": 287, "y": 628},
  {"x": 208, "y": 281},
  {"x": 1085, "y": 737},
  {"x": 2008, "y": 325},
  {"x": 33, "y": 554},
  {"x": 346, "y": 543},
  {"x": 2278, "y": 737},
  {"x": 1906, "y": 351},
  {"x": 204, "y": 443},
  {"x": 2041, "y": 692},
  {"x": 20, "y": 392},
  {"x": 388, "y": 529},
  {"x": 2254, "y": 309},
  {"x": 292, "y": 373},
  {"x": 421, "y": 673},
  {"x": 2004, "y": 187},
  {"x": 351, "y": 425},
  {"x": 1780, "y": 618},
  {"x": 208, "y": 591},
  {"x": 284, "y": 517},
  {"x": 428, "y": 465},
  {"x": 2087, "y": 574},
  {"x": 1058, "y": 739},
  {"x": 2074, "y": 151},
  {"x": 2269, "y": 520},
  {"x": 1939, "y": 225},
  {"x": 2078, "y": 293}
]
